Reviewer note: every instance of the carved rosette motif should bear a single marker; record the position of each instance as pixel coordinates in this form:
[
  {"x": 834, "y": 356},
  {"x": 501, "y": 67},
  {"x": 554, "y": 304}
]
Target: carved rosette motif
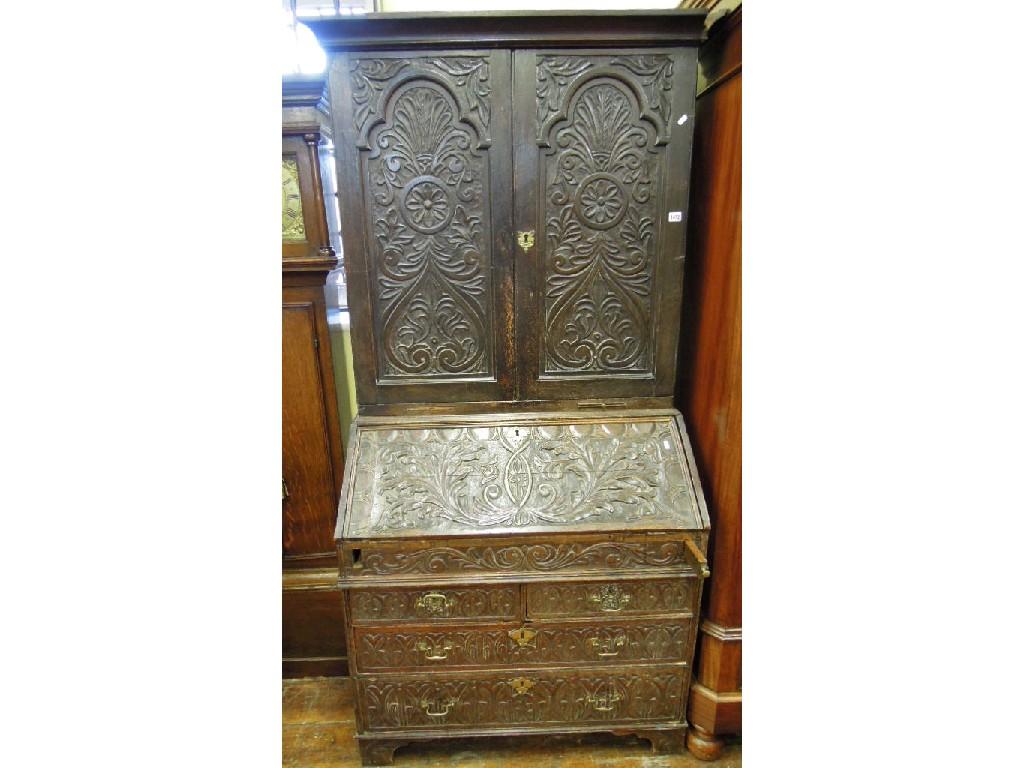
[
  {"x": 604, "y": 119},
  {"x": 484, "y": 477},
  {"x": 602, "y": 556},
  {"x": 465, "y": 603},
  {"x": 425, "y": 123},
  {"x": 393, "y": 704},
  {"x": 663, "y": 642}
]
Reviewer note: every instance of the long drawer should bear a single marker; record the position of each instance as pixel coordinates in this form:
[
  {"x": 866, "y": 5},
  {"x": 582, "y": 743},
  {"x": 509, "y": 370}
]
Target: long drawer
[
  {"x": 653, "y": 694},
  {"x": 462, "y": 603},
  {"x": 622, "y": 597},
  {"x": 579, "y": 643}
]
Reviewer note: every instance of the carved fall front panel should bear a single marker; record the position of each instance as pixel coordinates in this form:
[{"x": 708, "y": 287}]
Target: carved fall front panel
[
  {"x": 603, "y": 120},
  {"x": 423, "y": 126},
  {"x": 552, "y": 476}
]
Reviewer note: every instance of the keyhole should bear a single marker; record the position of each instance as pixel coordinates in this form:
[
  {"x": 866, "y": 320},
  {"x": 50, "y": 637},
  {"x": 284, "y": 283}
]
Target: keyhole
[{"x": 517, "y": 433}]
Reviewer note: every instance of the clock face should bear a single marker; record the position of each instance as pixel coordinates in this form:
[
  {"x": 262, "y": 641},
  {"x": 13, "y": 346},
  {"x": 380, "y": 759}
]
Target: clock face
[{"x": 292, "y": 226}]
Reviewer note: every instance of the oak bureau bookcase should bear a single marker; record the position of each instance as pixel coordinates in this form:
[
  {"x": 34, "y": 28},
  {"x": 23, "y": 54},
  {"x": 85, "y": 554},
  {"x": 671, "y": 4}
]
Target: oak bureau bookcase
[{"x": 521, "y": 533}]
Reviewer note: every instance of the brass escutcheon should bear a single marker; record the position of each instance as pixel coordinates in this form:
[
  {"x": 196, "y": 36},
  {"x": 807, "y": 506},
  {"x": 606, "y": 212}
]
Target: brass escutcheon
[
  {"x": 525, "y": 240},
  {"x": 523, "y": 636},
  {"x": 521, "y": 685}
]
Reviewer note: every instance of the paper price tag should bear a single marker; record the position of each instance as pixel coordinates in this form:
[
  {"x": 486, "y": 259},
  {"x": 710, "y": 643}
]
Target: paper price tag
[{"x": 674, "y": 216}]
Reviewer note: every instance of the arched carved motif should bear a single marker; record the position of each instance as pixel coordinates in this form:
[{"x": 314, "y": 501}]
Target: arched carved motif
[
  {"x": 423, "y": 124},
  {"x": 605, "y": 121}
]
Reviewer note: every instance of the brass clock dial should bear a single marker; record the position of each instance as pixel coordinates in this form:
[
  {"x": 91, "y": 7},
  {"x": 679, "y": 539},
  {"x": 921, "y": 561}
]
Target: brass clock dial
[{"x": 292, "y": 226}]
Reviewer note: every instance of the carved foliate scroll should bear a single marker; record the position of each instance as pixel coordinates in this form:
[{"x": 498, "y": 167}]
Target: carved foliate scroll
[
  {"x": 481, "y": 478},
  {"x": 424, "y": 123},
  {"x": 604, "y": 119}
]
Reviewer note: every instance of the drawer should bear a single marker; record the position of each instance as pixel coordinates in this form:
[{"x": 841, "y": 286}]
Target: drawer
[
  {"x": 379, "y": 650},
  {"x": 484, "y": 603},
  {"x": 483, "y": 700},
  {"x": 604, "y": 598}
]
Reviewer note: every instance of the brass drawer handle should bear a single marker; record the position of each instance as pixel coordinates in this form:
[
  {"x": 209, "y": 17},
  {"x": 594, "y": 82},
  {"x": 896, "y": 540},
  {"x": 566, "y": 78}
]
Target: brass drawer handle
[
  {"x": 604, "y": 702},
  {"x": 524, "y": 637},
  {"x": 447, "y": 708},
  {"x": 434, "y": 603},
  {"x": 604, "y": 647},
  {"x": 424, "y": 647},
  {"x": 521, "y": 685},
  {"x": 610, "y": 597}
]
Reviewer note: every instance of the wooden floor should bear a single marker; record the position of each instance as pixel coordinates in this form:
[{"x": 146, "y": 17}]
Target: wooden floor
[{"x": 319, "y": 729}]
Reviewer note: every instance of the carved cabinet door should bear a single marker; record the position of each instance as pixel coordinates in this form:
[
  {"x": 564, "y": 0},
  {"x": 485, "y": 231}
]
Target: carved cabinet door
[
  {"x": 602, "y": 164},
  {"x": 425, "y": 159}
]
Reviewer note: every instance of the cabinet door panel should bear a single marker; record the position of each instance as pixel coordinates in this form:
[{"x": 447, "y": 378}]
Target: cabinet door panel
[
  {"x": 602, "y": 169},
  {"x": 424, "y": 161}
]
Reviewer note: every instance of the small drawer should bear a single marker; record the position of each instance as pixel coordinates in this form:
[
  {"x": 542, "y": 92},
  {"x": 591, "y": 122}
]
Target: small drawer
[
  {"x": 500, "y": 700},
  {"x": 610, "y": 598},
  {"x": 486, "y": 603},
  {"x": 388, "y": 649}
]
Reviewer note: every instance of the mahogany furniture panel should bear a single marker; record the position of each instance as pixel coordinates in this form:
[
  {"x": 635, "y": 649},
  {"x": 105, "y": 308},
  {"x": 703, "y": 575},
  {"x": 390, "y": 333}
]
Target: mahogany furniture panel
[
  {"x": 313, "y": 642},
  {"x": 711, "y": 385},
  {"x": 522, "y": 533}
]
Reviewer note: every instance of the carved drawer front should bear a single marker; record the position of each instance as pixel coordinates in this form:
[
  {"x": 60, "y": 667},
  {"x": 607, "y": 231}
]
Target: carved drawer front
[
  {"x": 371, "y": 606},
  {"x": 610, "y": 598},
  {"x": 599, "y": 643},
  {"x": 656, "y": 694}
]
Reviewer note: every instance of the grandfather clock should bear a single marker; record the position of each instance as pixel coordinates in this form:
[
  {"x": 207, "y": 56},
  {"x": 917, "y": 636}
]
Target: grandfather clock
[{"x": 312, "y": 463}]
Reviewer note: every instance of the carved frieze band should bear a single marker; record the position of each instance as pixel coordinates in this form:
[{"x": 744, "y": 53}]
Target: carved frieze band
[
  {"x": 605, "y": 118},
  {"x": 393, "y": 704},
  {"x": 600, "y": 556}
]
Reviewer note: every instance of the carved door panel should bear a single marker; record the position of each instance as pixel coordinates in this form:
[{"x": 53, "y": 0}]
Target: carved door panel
[
  {"x": 424, "y": 159},
  {"x": 601, "y": 178}
]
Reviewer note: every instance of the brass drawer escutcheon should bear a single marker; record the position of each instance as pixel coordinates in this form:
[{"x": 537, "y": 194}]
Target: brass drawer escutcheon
[
  {"x": 610, "y": 598},
  {"x": 523, "y": 636},
  {"x": 425, "y": 705},
  {"x": 604, "y": 647},
  {"x": 429, "y": 650},
  {"x": 434, "y": 603},
  {"x": 604, "y": 702},
  {"x": 521, "y": 685}
]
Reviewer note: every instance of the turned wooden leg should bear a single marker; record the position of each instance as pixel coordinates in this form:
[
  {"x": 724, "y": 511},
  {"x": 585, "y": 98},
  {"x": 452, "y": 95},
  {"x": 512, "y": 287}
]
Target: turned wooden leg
[
  {"x": 379, "y": 751},
  {"x": 703, "y": 745},
  {"x": 664, "y": 742}
]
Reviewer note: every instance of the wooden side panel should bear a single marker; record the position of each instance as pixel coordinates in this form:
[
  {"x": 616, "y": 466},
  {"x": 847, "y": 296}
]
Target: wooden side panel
[
  {"x": 710, "y": 382},
  {"x": 313, "y": 626},
  {"x": 309, "y": 508},
  {"x": 602, "y": 170}
]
